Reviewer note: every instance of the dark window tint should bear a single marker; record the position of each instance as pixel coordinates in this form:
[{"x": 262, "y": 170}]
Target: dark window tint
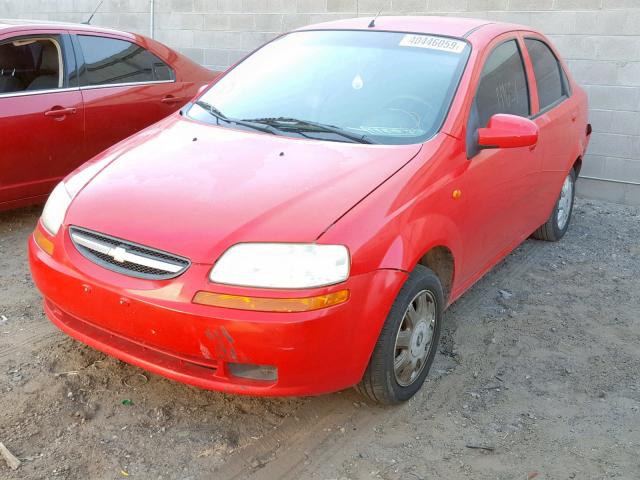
[
  {"x": 109, "y": 61},
  {"x": 548, "y": 72},
  {"x": 503, "y": 84}
]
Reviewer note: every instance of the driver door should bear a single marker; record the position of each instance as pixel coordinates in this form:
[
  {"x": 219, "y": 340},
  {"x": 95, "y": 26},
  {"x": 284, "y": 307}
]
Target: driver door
[{"x": 498, "y": 183}]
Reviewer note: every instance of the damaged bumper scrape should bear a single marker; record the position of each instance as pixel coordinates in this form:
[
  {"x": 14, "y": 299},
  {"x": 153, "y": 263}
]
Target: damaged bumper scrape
[{"x": 156, "y": 326}]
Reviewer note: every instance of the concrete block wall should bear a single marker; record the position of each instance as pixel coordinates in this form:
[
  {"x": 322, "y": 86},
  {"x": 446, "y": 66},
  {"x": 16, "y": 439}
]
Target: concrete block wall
[{"x": 599, "y": 38}]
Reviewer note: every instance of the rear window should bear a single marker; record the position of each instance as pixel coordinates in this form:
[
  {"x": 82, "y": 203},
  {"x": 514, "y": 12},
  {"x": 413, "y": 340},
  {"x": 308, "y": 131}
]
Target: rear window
[
  {"x": 548, "y": 73},
  {"x": 111, "y": 61}
]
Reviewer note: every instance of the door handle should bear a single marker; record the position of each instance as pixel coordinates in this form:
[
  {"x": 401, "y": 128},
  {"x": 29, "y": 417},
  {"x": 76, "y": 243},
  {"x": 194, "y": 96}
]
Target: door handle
[
  {"x": 59, "y": 112},
  {"x": 170, "y": 99}
]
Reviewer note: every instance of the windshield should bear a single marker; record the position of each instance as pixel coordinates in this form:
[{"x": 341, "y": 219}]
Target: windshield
[{"x": 371, "y": 87}]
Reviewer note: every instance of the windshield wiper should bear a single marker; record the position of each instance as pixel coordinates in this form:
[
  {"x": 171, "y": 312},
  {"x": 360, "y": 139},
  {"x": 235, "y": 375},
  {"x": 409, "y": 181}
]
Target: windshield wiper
[
  {"x": 301, "y": 126},
  {"x": 221, "y": 116}
]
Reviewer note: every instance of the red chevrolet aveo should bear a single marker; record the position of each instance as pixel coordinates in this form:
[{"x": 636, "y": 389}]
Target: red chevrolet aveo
[
  {"x": 69, "y": 91},
  {"x": 301, "y": 226}
]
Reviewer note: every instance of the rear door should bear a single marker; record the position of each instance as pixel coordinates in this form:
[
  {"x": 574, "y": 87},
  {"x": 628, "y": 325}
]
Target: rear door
[
  {"x": 125, "y": 88},
  {"x": 41, "y": 115},
  {"x": 555, "y": 114}
]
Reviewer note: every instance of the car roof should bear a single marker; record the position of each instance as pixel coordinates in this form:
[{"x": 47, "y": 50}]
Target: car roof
[
  {"x": 448, "y": 26},
  {"x": 24, "y": 24}
]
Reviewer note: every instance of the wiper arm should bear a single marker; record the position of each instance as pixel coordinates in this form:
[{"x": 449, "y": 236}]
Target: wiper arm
[
  {"x": 212, "y": 110},
  {"x": 297, "y": 125},
  {"x": 221, "y": 116}
]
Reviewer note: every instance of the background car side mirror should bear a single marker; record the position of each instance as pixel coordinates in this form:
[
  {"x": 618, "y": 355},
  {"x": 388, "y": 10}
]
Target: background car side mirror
[
  {"x": 202, "y": 89},
  {"x": 508, "y": 131}
]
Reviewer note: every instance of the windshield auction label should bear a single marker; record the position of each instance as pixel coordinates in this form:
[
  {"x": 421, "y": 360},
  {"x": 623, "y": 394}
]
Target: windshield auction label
[{"x": 433, "y": 43}]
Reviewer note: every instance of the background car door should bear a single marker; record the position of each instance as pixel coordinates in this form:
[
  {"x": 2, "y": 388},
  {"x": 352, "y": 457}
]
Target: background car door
[
  {"x": 125, "y": 88},
  {"x": 497, "y": 182},
  {"x": 555, "y": 116},
  {"x": 41, "y": 115}
]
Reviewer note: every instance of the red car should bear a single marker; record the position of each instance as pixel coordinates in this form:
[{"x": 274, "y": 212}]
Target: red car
[
  {"x": 301, "y": 226},
  {"x": 68, "y": 91}
]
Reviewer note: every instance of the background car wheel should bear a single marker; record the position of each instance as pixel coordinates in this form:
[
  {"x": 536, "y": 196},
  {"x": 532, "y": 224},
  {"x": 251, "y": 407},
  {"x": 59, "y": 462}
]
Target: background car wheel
[
  {"x": 558, "y": 223},
  {"x": 408, "y": 341}
]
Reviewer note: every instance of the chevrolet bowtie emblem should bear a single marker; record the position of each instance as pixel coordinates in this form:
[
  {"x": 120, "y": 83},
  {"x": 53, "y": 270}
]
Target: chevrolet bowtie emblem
[{"x": 118, "y": 254}]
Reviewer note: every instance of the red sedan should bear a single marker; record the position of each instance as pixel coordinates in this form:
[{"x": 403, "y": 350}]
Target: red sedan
[
  {"x": 301, "y": 226},
  {"x": 68, "y": 91}
]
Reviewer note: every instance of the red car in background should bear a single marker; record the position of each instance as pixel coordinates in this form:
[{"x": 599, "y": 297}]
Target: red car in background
[
  {"x": 302, "y": 225},
  {"x": 69, "y": 91}
]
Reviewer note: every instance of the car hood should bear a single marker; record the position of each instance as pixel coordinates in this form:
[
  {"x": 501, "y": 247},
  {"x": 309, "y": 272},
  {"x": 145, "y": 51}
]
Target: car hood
[{"x": 194, "y": 189}]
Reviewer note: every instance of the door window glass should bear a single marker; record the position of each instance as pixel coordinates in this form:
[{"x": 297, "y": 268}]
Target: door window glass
[
  {"x": 31, "y": 63},
  {"x": 548, "y": 73},
  {"x": 503, "y": 84},
  {"x": 111, "y": 61}
]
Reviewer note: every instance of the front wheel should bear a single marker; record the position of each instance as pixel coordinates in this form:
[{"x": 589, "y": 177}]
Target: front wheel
[
  {"x": 558, "y": 222},
  {"x": 408, "y": 341}
]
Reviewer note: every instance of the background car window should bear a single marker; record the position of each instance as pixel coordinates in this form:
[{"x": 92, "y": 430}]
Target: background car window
[
  {"x": 111, "y": 61},
  {"x": 548, "y": 73},
  {"x": 503, "y": 84},
  {"x": 30, "y": 63}
]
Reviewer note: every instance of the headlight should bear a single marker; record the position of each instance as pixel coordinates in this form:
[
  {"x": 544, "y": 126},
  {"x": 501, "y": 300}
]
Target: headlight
[
  {"x": 56, "y": 208},
  {"x": 282, "y": 265}
]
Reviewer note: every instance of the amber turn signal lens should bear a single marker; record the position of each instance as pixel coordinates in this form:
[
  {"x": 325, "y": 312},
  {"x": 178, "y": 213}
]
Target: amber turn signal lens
[
  {"x": 263, "y": 304},
  {"x": 43, "y": 242}
]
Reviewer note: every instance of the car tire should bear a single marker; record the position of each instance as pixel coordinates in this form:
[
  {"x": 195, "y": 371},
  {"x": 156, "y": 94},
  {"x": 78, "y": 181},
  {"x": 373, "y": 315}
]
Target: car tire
[
  {"x": 409, "y": 339},
  {"x": 558, "y": 222}
]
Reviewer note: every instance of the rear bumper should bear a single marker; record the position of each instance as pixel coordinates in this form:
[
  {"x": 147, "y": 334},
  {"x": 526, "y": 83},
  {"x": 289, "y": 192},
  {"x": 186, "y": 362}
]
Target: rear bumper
[{"x": 155, "y": 326}]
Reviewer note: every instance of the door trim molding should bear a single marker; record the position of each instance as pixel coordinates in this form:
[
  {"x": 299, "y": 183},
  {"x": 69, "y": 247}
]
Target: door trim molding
[
  {"x": 127, "y": 84},
  {"x": 25, "y": 93}
]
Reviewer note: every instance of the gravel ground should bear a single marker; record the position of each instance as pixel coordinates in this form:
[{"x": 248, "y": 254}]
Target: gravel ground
[{"x": 537, "y": 377}]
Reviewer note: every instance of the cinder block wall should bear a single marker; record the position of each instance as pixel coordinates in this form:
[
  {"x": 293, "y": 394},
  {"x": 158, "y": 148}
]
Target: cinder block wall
[{"x": 599, "y": 38}]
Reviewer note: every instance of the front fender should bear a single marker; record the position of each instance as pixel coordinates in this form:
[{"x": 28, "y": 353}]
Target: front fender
[
  {"x": 415, "y": 239},
  {"x": 412, "y": 212}
]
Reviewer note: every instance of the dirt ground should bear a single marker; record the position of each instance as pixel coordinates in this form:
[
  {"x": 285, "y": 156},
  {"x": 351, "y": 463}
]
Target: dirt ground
[{"x": 538, "y": 377}]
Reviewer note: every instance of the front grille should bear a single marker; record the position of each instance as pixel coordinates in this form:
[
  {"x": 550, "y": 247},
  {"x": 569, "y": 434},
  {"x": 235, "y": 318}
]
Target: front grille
[{"x": 127, "y": 257}]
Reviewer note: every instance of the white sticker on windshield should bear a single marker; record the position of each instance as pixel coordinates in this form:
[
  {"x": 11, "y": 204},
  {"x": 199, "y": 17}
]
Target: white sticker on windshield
[{"x": 434, "y": 43}]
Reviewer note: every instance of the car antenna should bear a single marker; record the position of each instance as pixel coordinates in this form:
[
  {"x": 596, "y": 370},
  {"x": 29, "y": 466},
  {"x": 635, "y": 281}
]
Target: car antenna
[
  {"x": 373, "y": 20},
  {"x": 88, "y": 22}
]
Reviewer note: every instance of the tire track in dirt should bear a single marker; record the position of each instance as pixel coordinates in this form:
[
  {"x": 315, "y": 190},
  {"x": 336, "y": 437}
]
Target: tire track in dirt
[
  {"x": 34, "y": 336},
  {"x": 313, "y": 431}
]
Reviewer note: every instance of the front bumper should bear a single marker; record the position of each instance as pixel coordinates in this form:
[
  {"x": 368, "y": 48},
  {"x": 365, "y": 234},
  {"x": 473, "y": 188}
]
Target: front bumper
[{"x": 154, "y": 325}]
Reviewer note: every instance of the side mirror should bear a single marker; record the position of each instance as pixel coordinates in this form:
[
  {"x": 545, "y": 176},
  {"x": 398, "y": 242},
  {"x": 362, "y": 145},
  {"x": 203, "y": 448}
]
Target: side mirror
[{"x": 508, "y": 131}]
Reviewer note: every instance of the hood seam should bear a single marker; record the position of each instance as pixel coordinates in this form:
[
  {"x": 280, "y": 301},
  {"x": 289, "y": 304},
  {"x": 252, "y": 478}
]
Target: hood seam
[{"x": 368, "y": 194}]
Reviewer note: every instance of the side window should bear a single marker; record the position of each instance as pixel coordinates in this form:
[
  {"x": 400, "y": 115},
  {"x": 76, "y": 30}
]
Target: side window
[
  {"x": 548, "y": 73},
  {"x": 502, "y": 89},
  {"x": 503, "y": 84},
  {"x": 110, "y": 61},
  {"x": 30, "y": 64}
]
